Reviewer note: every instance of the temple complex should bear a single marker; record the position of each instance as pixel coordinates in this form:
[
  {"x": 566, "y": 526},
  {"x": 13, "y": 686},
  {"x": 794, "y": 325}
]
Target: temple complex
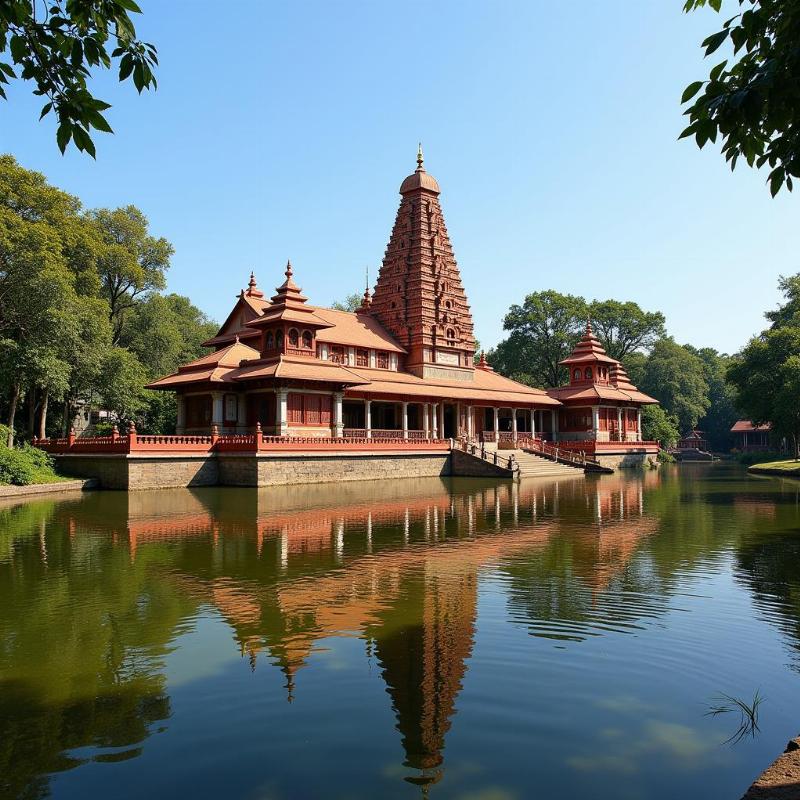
[{"x": 401, "y": 366}]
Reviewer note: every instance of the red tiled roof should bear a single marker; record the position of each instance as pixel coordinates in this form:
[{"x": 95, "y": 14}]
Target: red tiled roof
[{"x": 746, "y": 426}]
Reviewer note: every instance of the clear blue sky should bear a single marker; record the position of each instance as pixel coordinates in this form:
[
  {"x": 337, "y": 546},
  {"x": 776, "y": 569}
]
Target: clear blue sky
[{"x": 284, "y": 130}]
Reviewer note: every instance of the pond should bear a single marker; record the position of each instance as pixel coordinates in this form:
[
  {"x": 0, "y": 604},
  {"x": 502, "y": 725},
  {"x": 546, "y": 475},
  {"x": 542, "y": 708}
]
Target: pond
[{"x": 404, "y": 639}]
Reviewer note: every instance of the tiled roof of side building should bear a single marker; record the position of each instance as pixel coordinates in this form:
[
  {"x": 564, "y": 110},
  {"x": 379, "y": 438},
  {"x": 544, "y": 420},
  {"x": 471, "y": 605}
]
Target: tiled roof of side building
[{"x": 746, "y": 426}]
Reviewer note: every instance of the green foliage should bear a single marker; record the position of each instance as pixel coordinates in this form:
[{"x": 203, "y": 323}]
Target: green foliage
[
  {"x": 722, "y": 411},
  {"x": 24, "y": 465},
  {"x": 659, "y": 426},
  {"x": 624, "y": 328},
  {"x": 58, "y": 43},
  {"x": 766, "y": 374},
  {"x": 675, "y": 377},
  {"x": 752, "y": 98},
  {"x": 350, "y": 303}
]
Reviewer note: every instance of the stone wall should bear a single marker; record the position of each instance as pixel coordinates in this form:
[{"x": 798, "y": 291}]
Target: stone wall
[
  {"x": 465, "y": 465},
  {"x": 162, "y": 472},
  {"x": 274, "y": 471},
  {"x": 624, "y": 460}
]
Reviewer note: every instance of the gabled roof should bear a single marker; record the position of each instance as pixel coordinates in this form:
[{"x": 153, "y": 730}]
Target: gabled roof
[
  {"x": 357, "y": 330},
  {"x": 588, "y": 350},
  {"x": 746, "y": 426},
  {"x": 304, "y": 369},
  {"x": 214, "y": 367}
]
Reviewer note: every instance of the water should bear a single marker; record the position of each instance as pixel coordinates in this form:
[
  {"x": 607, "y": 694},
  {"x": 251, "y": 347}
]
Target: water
[{"x": 451, "y": 639}]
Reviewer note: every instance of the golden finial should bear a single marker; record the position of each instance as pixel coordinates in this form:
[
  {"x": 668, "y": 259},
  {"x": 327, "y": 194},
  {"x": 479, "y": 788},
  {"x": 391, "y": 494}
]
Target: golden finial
[{"x": 420, "y": 158}]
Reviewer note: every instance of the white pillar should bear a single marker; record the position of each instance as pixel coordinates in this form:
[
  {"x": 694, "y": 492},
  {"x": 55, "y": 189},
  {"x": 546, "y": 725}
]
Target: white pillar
[
  {"x": 533, "y": 423},
  {"x": 638, "y": 424},
  {"x": 426, "y": 420},
  {"x": 180, "y": 420},
  {"x": 554, "y": 415},
  {"x": 514, "y": 425},
  {"x": 368, "y": 417},
  {"x": 338, "y": 415},
  {"x": 241, "y": 413},
  {"x": 216, "y": 409},
  {"x": 496, "y": 423},
  {"x": 405, "y": 419},
  {"x": 595, "y": 422},
  {"x": 434, "y": 421},
  {"x": 470, "y": 422},
  {"x": 281, "y": 412},
  {"x": 620, "y": 431}
]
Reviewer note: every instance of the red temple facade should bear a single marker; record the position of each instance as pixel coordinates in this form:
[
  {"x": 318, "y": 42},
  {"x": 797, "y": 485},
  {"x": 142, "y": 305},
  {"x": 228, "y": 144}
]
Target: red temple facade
[{"x": 402, "y": 366}]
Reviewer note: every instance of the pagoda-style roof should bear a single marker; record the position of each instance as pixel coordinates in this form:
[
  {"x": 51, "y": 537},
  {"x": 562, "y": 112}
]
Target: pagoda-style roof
[
  {"x": 215, "y": 367},
  {"x": 298, "y": 368},
  {"x": 588, "y": 351},
  {"x": 747, "y": 426}
]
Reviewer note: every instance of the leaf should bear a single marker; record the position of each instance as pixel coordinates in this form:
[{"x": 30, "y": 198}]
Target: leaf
[
  {"x": 688, "y": 131},
  {"x": 776, "y": 181},
  {"x": 98, "y": 121},
  {"x": 129, "y": 5},
  {"x": 691, "y": 90},
  {"x": 63, "y": 135},
  {"x": 7, "y": 70},
  {"x": 717, "y": 71},
  {"x": 125, "y": 66},
  {"x": 83, "y": 141},
  {"x": 714, "y": 41},
  {"x": 46, "y": 108}
]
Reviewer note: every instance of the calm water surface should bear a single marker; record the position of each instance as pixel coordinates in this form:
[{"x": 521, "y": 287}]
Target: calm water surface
[{"x": 451, "y": 639}]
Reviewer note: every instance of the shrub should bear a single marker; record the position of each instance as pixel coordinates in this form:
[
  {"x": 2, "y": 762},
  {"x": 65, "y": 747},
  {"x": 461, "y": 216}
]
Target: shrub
[{"x": 16, "y": 467}]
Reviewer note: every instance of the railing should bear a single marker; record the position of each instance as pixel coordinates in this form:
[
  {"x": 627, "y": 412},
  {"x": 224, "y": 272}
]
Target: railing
[
  {"x": 252, "y": 442},
  {"x": 555, "y": 452},
  {"x": 383, "y": 433},
  {"x": 478, "y": 450}
]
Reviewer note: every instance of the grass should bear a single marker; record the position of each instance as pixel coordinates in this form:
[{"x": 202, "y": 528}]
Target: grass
[
  {"x": 748, "y": 714},
  {"x": 786, "y": 465}
]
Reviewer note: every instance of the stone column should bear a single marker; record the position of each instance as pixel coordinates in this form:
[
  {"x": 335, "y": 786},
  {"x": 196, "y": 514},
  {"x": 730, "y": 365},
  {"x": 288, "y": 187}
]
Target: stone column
[
  {"x": 241, "y": 414},
  {"x": 434, "y": 421},
  {"x": 620, "y": 429},
  {"x": 368, "y": 417},
  {"x": 470, "y": 422},
  {"x": 496, "y": 423},
  {"x": 281, "y": 412},
  {"x": 216, "y": 408},
  {"x": 533, "y": 423},
  {"x": 595, "y": 422},
  {"x": 554, "y": 415},
  {"x": 180, "y": 421},
  {"x": 514, "y": 425},
  {"x": 405, "y": 419},
  {"x": 638, "y": 424},
  {"x": 426, "y": 420},
  {"x": 338, "y": 414}
]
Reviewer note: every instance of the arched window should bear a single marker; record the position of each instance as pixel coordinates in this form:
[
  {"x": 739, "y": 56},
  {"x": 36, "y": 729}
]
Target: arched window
[
  {"x": 279, "y": 339},
  {"x": 307, "y": 339},
  {"x": 451, "y": 334},
  {"x": 448, "y": 304},
  {"x": 269, "y": 341},
  {"x": 294, "y": 337},
  {"x": 588, "y": 373},
  {"x": 576, "y": 376}
]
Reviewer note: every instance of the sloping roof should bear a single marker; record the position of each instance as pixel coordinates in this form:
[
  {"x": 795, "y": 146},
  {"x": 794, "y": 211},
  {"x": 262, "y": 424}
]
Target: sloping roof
[
  {"x": 230, "y": 356},
  {"x": 214, "y": 367},
  {"x": 596, "y": 392},
  {"x": 357, "y": 330},
  {"x": 486, "y": 386},
  {"x": 304, "y": 369},
  {"x": 746, "y": 426},
  {"x": 214, "y": 375}
]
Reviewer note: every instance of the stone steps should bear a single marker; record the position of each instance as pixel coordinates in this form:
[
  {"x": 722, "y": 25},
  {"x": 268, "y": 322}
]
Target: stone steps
[{"x": 533, "y": 466}]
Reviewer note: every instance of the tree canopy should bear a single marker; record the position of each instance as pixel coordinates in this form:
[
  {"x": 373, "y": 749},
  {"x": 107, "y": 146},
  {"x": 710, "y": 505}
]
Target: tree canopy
[
  {"x": 752, "y": 98},
  {"x": 82, "y": 319},
  {"x": 56, "y": 45}
]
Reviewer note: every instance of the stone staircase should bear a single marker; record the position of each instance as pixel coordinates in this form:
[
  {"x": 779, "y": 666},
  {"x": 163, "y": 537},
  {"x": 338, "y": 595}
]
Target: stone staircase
[{"x": 533, "y": 466}]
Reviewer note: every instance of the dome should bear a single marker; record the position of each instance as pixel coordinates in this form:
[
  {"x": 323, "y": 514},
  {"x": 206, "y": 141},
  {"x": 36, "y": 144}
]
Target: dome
[{"x": 419, "y": 179}]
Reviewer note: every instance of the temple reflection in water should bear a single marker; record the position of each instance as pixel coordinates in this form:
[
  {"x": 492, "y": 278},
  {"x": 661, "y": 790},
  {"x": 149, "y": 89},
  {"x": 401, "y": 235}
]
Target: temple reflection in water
[{"x": 286, "y": 574}]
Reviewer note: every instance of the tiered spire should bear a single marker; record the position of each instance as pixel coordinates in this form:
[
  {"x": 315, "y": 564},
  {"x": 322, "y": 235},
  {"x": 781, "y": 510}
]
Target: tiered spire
[
  {"x": 366, "y": 300},
  {"x": 252, "y": 288},
  {"x": 419, "y": 296}
]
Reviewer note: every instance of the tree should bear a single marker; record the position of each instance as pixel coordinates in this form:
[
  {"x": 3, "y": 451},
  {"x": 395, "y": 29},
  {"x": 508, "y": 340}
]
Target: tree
[
  {"x": 753, "y": 102},
  {"x": 350, "y": 303},
  {"x": 624, "y": 328},
  {"x": 659, "y": 426},
  {"x": 130, "y": 261},
  {"x": 122, "y": 385},
  {"x": 543, "y": 331},
  {"x": 675, "y": 377},
  {"x": 56, "y": 44},
  {"x": 722, "y": 412}
]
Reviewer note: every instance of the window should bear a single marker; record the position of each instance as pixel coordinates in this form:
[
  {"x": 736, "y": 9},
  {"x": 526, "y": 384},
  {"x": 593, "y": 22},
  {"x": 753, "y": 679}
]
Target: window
[
  {"x": 382, "y": 360},
  {"x": 588, "y": 373},
  {"x": 269, "y": 341},
  {"x": 230, "y": 407},
  {"x": 451, "y": 334},
  {"x": 308, "y": 409},
  {"x": 294, "y": 337},
  {"x": 279, "y": 339},
  {"x": 308, "y": 339},
  {"x": 362, "y": 358},
  {"x": 576, "y": 376},
  {"x": 448, "y": 304},
  {"x": 336, "y": 354}
]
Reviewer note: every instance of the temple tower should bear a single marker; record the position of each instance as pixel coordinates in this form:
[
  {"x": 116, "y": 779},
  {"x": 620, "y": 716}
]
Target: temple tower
[{"x": 419, "y": 296}]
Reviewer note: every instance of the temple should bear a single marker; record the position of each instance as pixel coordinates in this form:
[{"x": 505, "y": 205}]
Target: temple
[{"x": 401, "y": 366}]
